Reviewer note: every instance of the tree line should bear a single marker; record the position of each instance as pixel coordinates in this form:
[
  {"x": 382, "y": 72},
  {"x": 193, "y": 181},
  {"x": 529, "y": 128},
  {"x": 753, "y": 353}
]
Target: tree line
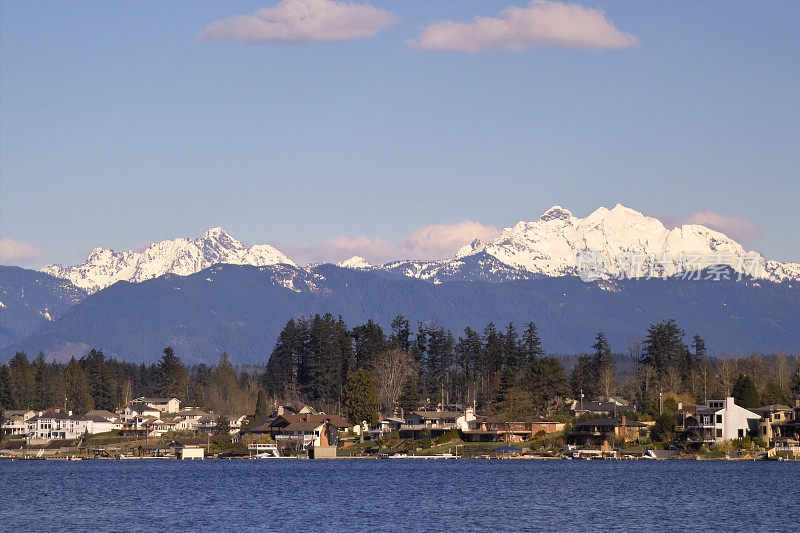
[{"x": 364, "y": 370}]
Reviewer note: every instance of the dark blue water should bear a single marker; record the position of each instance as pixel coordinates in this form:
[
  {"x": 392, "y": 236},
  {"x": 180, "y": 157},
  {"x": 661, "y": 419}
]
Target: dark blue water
[{"x": 397, "y": 495}]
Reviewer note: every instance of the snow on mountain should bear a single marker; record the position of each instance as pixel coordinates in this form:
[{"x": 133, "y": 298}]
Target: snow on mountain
[
  {"x": 608, "y": 243},
  {"x": 605, "y": 244},
  {"x": 182, "y": 256},
  {"x": 356, "y": 261}
]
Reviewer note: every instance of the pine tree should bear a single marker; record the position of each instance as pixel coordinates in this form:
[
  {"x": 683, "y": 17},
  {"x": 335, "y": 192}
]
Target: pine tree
[
  {"x": 745, "y": 392},
  {"x": 512, "y": 353},
  {"x": 262, "y": 406},
  {"x": 408, "y": 401},
  {"x": 172, "y": 380},
  {"x": 100, "y": 382},
  {"x": 223, "y": 426},
  {"x": 79, "y": 399},
  {"x": 23, "y": 382},
  {"x": 6, "y": 395},
  {"x": 531, "y": 346},
  {"x": 401, "y": 334},
  {"x": 361, "y": 398},
  {"x": 603, "y": 367}
]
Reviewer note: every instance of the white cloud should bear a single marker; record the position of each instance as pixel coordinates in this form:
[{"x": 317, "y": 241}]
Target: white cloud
[
  {"x": 302, "y": 21},
  {"x": 541, "y": 23},
  {"x": 739, "y": 229},
  {"x": 440, "y": 241},
  {"x": 14, "y": 252}
]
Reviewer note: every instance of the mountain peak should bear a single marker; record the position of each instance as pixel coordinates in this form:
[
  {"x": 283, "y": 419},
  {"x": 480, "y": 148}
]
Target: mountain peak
[
  {"x": 354, "y": 262},
  {"x": 215, "y": 233},
  {"x": 556, "y": 213},
  {"x": 182, "y": 256}
]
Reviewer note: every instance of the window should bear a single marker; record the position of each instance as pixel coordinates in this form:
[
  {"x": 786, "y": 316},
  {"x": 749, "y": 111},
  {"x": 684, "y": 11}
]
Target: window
[
  {"x": 719, "y": 433},
  {"x": 777, "y": 416},
  {"x": 741, "y": 433},
  {"x": 719, "y": 419}
]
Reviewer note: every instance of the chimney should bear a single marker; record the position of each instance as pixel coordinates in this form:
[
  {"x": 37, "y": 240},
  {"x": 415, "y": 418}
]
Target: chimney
[
  {"x": 624, "y": 420},
  {"x": 69, "y": 413}
]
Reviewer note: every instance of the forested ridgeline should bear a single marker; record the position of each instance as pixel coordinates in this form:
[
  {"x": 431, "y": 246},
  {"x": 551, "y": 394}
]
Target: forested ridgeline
[{"x": 321, "y": 361}]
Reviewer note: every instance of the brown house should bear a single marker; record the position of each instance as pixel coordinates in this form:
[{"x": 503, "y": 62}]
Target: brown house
[{"x": 600, "y": 430}]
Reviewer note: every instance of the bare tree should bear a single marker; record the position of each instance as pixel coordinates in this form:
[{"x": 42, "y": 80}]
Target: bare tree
[{"x": 390, "y": 369}]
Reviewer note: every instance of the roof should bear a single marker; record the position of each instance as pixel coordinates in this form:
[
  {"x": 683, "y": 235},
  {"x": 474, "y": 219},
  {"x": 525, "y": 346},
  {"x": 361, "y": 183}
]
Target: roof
[
  {"x": 18, "y": 412},
  {"x": 155, "y": 400},
  {"x": 103, "y": 413},
  {"x": 303, "y": 425},
  {"x": 139, "y": 407},
  {"x": 608, "y": 421},
  {"x": 771, "y": 408},
  {"x": 437, "y": 414},
  {"x": 337, "y": 420},
  {"x": 262, "y": 424}
]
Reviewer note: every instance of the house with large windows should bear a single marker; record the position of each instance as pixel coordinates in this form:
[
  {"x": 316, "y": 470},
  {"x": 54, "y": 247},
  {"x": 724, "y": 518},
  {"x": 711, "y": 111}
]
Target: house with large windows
[{"x": 720, "y": 420}]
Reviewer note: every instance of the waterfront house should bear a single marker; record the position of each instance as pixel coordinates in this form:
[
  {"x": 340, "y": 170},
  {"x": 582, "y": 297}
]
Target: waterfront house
[
  {"x": 16, "y": 422},
  {"x": 65, "y": 425},
  {"x": 771, "y": 416},
  {"x": 720, "y": 420},
  {"x": 598, "y": 431},
  {"x": 599, "y": 407},
  {"x": 434, "y": 423},
  {"x": 499, "y": 428},
  {"x": 139, "y": 409},
  {"x": 164, "y": 405}
]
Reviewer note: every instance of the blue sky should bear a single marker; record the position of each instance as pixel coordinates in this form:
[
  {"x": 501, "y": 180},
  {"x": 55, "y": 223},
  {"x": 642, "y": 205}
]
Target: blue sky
[{"x": 120, "y": 124}]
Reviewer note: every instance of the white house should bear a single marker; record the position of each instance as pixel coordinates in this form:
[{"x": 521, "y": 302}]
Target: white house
[
  {"x": 139, "y": 409},
  {"x": 720, "y": 420},
  {"x": 60, "y": 425},
  {"x": 16, "y": 422},
  {"x": 165, "y": 405},
  {"x": 435, "y": 423}
]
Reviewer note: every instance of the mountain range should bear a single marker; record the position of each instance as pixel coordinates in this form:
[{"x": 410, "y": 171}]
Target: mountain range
[{"x": 571, "y": 275}]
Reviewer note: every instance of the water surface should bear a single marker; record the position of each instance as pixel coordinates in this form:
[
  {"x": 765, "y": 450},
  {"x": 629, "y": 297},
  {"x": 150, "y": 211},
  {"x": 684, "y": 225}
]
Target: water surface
[{"x": 399, "y": 495}]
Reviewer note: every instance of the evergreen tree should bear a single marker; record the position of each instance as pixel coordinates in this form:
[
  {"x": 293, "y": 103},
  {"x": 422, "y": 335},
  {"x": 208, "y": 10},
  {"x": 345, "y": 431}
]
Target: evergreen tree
[
  {"x": 223, "y": 426},
  {"x": 469, "y": 360},
  {"x": 493, "y": 348},
  {"x": 663, "y": 347},
  {"x": 262, "y": 406},
  {"x": 745, "y": 392},
  {"x": 605, "y": 383},
  {"x": 508, "y": 381},
  {"x": 23, "y": 382},
  {"x": 79, "y": 399},
  {"x": 171, "y": 376},
  {"x": 6, "y": 394},
  {"x": 369, "y": 342},
  {"x": 283, "y": 365},
  {"x": 531, "y": 346},
  {"x": 401, "y": 334},
  {"x": 512, "y": 353},
  {"x": 409, "y": 400},
  {"x": 41, "y": 373},
  {"x": 582, "y": 376},
  {"x": 546, "y": 382},
  {"x": 100, "y": 381},
  {"x": 224, "y": 379},
  {"x": 361, "y": 398}
]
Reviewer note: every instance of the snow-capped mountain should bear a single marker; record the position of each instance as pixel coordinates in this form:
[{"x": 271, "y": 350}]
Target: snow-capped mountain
[
  {"x": 607, "y": 243},
  {"x": 356, "y": 261},
  {"x": 181, "y": 256}
]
